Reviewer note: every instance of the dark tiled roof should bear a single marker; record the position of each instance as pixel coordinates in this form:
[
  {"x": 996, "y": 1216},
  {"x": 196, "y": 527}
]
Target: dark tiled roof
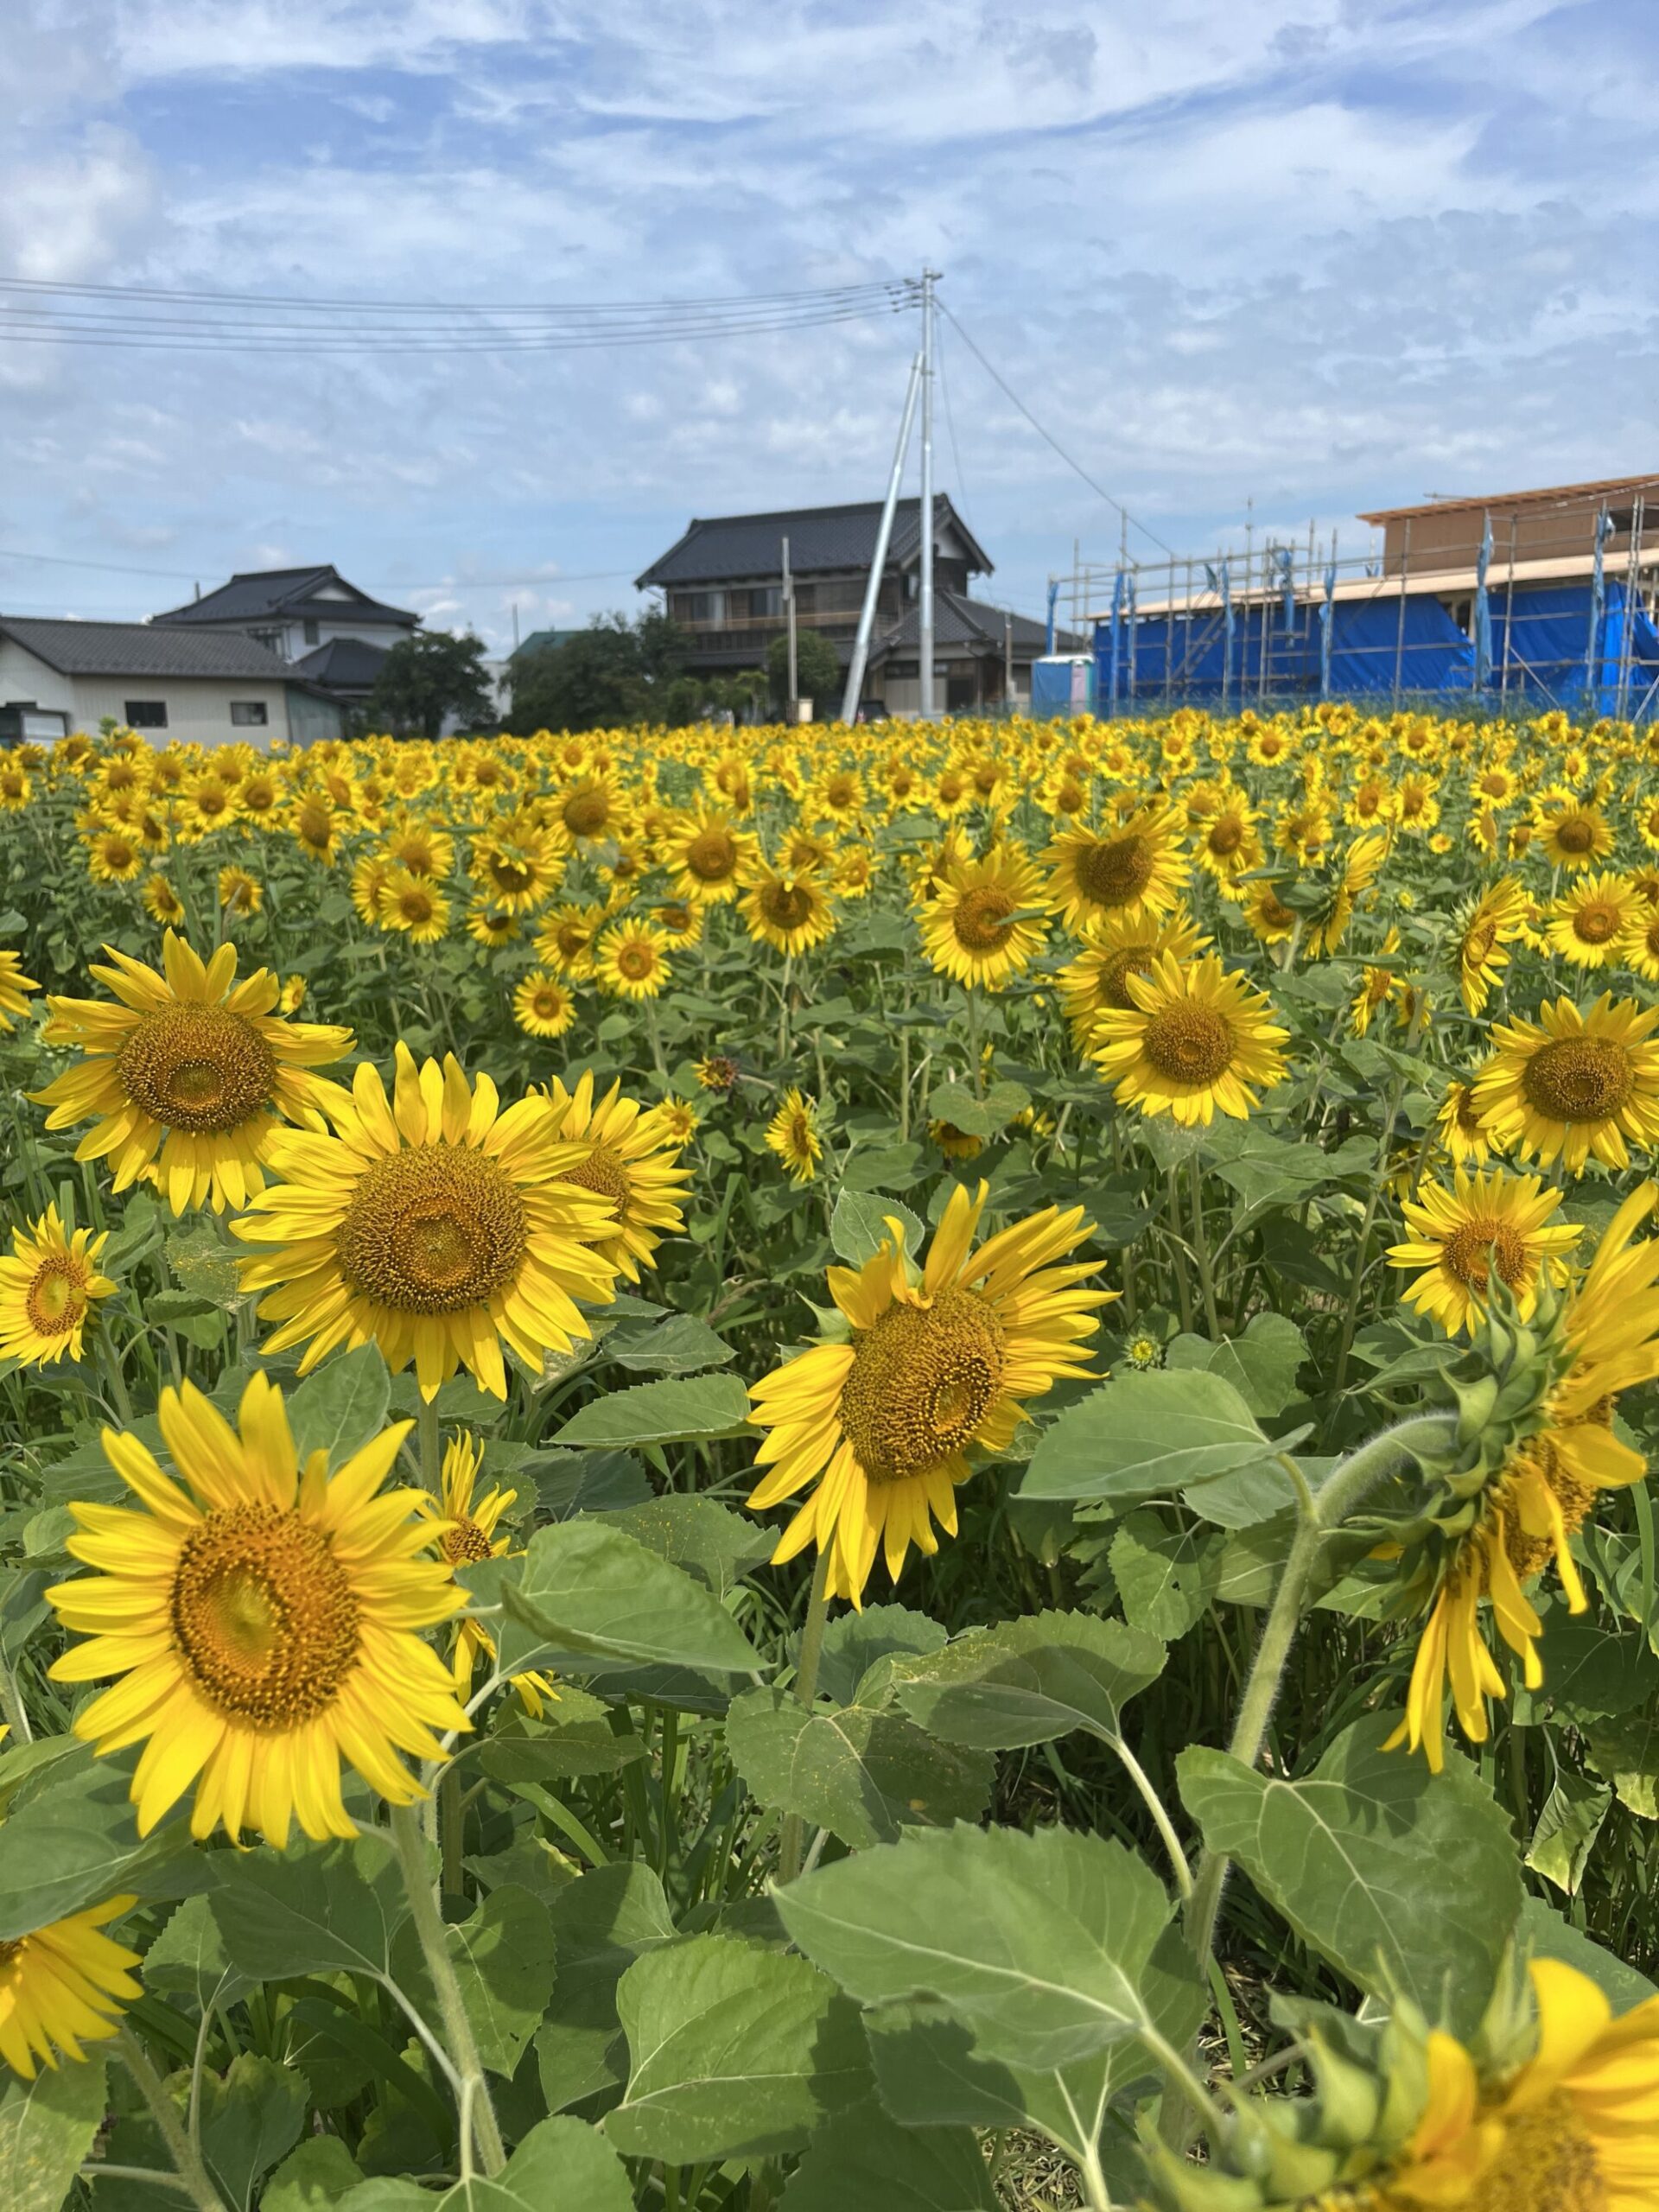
[
  {"x": 343, "y": 664},
  {"x": 542, "y": 641},
  {"x": 138, "y": 649},
  {"x": 258, "y": 594},
  {"x": 820, "y": 538},
  {"x": 958, "y": 620}
]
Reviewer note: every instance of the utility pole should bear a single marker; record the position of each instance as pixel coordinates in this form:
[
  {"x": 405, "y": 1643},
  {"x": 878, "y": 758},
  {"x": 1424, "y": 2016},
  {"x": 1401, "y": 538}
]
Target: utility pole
[
  {"x": 879, "y": 558},
  {"x": 789, "y": 616},
  {"x": 925, "y": 706},
  {"x": 1008, "y": 661}
]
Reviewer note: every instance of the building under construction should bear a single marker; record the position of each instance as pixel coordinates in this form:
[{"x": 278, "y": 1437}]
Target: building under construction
[{"x": 1516, "y": 603}]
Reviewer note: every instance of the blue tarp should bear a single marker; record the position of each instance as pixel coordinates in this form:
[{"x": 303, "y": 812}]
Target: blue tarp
[
  {"x": 1063, "y": 685},
  {"x": 1540, "y": 649}
]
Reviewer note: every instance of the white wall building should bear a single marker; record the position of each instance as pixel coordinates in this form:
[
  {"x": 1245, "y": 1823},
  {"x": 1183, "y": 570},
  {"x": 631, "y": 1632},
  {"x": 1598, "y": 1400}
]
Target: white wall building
[
  {"x": 330, "y": 632},
  {"x": 202, "y": 687}
]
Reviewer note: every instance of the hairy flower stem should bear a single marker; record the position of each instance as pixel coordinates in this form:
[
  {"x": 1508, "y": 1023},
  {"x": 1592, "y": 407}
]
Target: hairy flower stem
[
  {"x": 806, "y": 1688},
  {"x": 477, "y": 2113},
  {"x": 1318, "y": 1514},
  {"x": 431, "y": 1442},
  {"x": 186, "y": 2159}
]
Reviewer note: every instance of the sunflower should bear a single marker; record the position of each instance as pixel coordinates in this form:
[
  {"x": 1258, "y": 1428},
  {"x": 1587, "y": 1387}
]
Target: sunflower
[
  {"x": 631, "y": 961},
  {"x": 718, "y": 1073},
  {"x": 786, "y": 908},
  {"x": 1572, "y": 835},
  {"x": 517, "y": 874},
  {"x": 190, "y": 1072},
  {"x": 1134, "y": 870},
  {"x": 433, "y": 1225},
  {"x": 1485, "y": 932},
  {"x": 62, "y": 1985},
  {"x": 47, "y": 1288},
  {"x": 931, "y": 1363},
  {"x": 590, "y": 811},
  {"x": 542, "y": 1005},
  {"x": 412, "y": 906},
  {"x": 1377, "y": 985},
  {"x": 1342, "y": 887},
  {"x": 677, "y": 1119},
  {"x": 628, "y": 1158},
  {"x": 491, "y": 926},
  {"x": 1482, "y": 1225},
  {"x": 1196, "y": 1039},
  {"x": 1572, "y": 1085},
  {"x": 1587, "y": 922},
  {"x": 314, "y": 829},
  {"x": 1607, "y": 1330},
  {"x": 1226, "y": 843},
  {"x": 1463, "y": 1133},
  {"x": 567, "y": 937},
  {"x": 1639, "y": 948},
  {"x": 369, "y": 874},
  {"x": 420, "y": 849},
  {"x": 792, "y": 1134},
  {"x": 113, "y": 856},
  {"x": 463, "y": 1530},
  {"x": 265, "y": 1618},
  {"x": 14, "y": 987},
  {"x": 1271, "y": 922},
  {"x": 1548, "y": 2110},
  {"x": 16, "y": 789},
  {"x": 705, "y": 855},
  {"x": 240, "y": 893},
  {"x": 955, "y": 1143},
  {"x": 1113, "y": 951},
  {"x": 983, "y": 925}
]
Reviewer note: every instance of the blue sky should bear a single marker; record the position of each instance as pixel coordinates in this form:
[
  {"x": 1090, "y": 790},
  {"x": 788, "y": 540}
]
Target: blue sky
[{"x": 1310, "y": 257}]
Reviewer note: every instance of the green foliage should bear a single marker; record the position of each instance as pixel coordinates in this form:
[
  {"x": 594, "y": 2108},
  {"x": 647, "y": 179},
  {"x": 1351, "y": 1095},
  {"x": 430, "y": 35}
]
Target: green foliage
[
  {"x": 426, "y": 678},
  {"x": 46, "y": 2128},
  {"x": 615, "y": 671},
  {"x": 818, "y": 674}
]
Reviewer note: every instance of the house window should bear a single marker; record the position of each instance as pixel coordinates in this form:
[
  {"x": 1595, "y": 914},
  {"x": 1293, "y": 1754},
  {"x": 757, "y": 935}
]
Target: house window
[
  {"x": 312, "y": 633},
  {"x": 146, "y": 714},
  {"x": 705, "y": 607},
  {"x": 270, "y": 639},
  {"x": 249, "y": 714},
  {"x": 767, "y": 599}
]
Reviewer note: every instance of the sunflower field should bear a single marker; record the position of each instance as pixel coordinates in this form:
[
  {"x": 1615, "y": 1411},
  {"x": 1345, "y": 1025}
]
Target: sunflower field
[{"x": 820, "y": 1469}]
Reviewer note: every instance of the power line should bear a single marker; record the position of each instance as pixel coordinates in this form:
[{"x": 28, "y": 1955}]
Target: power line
[
  {"x": 52, "y": 285},
  {"x": 1048, "y": 438},
  {"x": 441, "y": 583}
]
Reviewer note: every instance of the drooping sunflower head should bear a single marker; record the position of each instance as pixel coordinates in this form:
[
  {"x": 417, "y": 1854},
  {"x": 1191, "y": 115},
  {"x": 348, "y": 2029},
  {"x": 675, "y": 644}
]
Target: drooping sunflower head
[
  {"x": 1484, "y": 933},
  {"x": 933, "y": 1360},
  {"x": 265, "y": 1619},
  {"x": 14, "y": 987},
  {"x": 188, "y": 1071},
  {"x": 793, "y": 1136},
  {"x": 983, "y": 925},
  {"x": 1196, "y": 1039},
  {"x": 63, "y": 1985},
  {"x": 433, "y": 1224},
  {"x": 48, "y": 1283},
  {"x": 629, "y": 1158}
]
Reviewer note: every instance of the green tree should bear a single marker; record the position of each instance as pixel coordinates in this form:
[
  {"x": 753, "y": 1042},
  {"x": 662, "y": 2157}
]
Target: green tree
[
  {"x": 817, "y": 672},
  {"x": 613, "y": 672},
  {"x": 428, "y": 676}
]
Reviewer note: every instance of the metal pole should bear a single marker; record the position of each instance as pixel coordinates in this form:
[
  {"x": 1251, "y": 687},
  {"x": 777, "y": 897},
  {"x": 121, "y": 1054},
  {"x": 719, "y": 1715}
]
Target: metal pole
[
  {"x": 1400, "y": 633},
  {"x": 878, "y": 558},
  {"x": 1007, "y": 662},
  {"x": 1508, "y": 610},
  {"x": 1632, "y": 570},
  {"x": 789, "y": 614},
  {"x": 925, "y": 614}
]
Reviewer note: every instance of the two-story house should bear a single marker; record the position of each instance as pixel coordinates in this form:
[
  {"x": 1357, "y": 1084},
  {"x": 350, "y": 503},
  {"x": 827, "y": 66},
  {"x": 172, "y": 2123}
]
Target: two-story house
[
  {"x": 722, "y": 583},
  {"x": 331, "y": 633}
]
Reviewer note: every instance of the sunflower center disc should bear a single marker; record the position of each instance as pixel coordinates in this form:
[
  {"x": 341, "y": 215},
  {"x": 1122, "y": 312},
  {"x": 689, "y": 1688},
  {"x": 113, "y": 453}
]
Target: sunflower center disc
[
  {"x": 1548, "y": 2164},
  {"x": 711, "y": 856},
  {"x": 1595, "y": 923},
  {"x": 464, "y": 1544},
  {"x": 1575, "y": 834},
  {"x": 197, "y": 1068},
  {"x": 1226, "y": 835},
  {"x": 1578, "y": 1078},
  {"x": 1478, "y": 943},
  {"x": 1188, "y": 1044},
  {"x": 981, "y": 920},
  {"x": 786, "y": 906},
  {"x": 54, "y": 1301},
  {"x": 1116, "y": 968},
  {"x": 586, "y": 815},
  {"x": 604, "y": 1172},
  {"x": 923, "y": 1380},
  {"x": 636, "y": 962},
  {"x": 263, "y": 1617},
  {"x": 432, "y": 1230},
  {"x": 1479, "y": 1246},
  {"x": 1115, "y": 874}
]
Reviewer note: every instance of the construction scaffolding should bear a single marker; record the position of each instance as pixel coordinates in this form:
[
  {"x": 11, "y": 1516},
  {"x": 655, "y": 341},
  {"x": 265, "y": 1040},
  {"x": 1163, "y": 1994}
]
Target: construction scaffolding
[{"x": 1547, "y": 600}]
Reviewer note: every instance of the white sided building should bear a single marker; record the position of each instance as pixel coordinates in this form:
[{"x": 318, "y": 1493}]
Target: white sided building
[{"x": 170, "y": 684}]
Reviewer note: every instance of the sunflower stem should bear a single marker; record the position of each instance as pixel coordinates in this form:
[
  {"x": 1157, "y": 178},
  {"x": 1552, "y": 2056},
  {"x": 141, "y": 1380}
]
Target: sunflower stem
[
  {"x": 1201, "y": 1254},
  {"x": 431, "y": 1440},
  {"x": 478, "y": 2114},
  {"x": 1319, "y": 1513},
  {"x": 806, "y": 1690},
  {"x": 186, "y": 2159}
]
